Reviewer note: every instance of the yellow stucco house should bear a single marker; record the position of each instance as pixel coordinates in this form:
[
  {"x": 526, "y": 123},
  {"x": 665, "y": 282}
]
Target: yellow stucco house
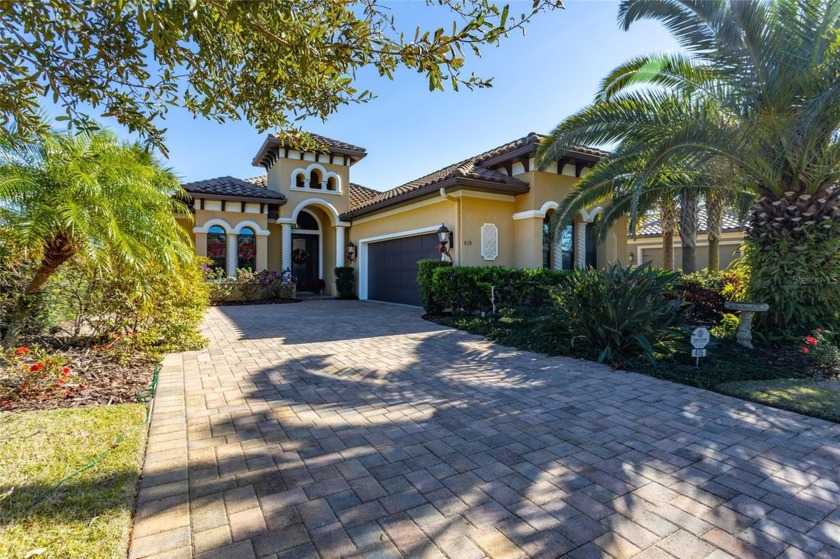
[{"x": 305, "y": 213}]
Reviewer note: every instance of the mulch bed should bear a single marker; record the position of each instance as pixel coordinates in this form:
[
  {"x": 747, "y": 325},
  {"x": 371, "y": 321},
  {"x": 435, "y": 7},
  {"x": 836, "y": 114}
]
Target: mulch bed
[{"x": 101, "y": 380}]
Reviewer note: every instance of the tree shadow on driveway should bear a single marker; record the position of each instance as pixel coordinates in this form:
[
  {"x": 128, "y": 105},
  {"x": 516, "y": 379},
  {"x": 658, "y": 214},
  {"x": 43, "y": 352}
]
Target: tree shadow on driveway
[{"x": 441, "y": 443}]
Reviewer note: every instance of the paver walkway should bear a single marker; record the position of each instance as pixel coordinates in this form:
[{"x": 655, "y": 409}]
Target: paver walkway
[{"x": 342, "y": 428}]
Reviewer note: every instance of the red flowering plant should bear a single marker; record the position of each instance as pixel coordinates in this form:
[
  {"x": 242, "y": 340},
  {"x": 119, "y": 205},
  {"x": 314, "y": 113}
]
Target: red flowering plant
[
  {"x": 117, "y": 347},
  {"x": 216, "y": 249},
  {"x": 822, "y": 351},
  {"x": 247, "y": 249},
  {"x": 28, "y": 373}
]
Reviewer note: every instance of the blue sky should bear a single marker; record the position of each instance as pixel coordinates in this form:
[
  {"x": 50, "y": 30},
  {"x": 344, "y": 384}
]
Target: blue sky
[{"x": 408, "y": 131}]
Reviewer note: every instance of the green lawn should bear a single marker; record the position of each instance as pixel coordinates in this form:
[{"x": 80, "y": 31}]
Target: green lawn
[
  {"x": 800, "y": 395},
  {"x": 775, "y": 378},
  {"x": 90, "y": 514}
]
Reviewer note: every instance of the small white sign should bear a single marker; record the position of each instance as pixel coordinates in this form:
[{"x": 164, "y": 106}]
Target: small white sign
[
  {"x": 698, "y": 352},
  {"x": 700, "y": 337}
]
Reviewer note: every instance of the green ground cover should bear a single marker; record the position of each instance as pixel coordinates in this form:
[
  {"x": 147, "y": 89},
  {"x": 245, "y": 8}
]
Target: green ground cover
[{"x": 89, "y": 515}]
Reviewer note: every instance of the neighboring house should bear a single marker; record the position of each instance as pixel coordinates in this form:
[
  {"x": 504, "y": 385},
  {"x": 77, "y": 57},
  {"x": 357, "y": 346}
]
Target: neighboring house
[
  {"x": 305, "y": 211},
  {"x": 647, "y": 246}
]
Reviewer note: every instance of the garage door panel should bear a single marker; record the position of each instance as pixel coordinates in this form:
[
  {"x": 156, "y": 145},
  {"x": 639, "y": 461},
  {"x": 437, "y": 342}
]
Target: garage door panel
[{"x": 392, "y": 268}]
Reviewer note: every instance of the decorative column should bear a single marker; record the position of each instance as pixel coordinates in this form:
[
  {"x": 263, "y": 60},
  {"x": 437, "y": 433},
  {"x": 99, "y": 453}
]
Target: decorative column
[
  {"x": 262, "y": 251},
  {"x": 612, "y": 249},
  {"x": 200, "y": 243},
  {"x": 339, "y": 245},
  {"x": 286, "y": 242},
  {"x": 580, "y": 244},
  {"x": 232, "y": 245},
  {"x": 557, "y": 251}
]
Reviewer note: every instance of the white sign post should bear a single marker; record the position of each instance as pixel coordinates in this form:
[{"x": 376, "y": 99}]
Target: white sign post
[{"x": 699, "y": 340}]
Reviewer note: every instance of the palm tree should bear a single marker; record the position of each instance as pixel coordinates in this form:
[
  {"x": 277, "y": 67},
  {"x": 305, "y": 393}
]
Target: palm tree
[
  {"x": 689, "y": 216},
  {"x": 715, "y": 199},
  {"x": 667, "y": 223},
  {"x": 91, "y": 196},
  {"x": 757, "y": 88},
  {"x": 614, "y": 181}
]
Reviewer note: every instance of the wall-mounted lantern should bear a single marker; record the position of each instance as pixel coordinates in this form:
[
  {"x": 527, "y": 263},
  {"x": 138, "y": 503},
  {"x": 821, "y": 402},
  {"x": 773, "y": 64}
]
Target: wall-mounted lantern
[
  {"x": 444, "y": 238},
  {"x": 351, "y": 252},
  {"x": 630, "y": 258}
]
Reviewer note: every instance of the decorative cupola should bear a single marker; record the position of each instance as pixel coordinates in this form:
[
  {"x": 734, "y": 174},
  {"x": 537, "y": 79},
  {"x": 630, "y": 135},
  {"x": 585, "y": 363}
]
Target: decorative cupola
[{"x": 312, "y": 166}]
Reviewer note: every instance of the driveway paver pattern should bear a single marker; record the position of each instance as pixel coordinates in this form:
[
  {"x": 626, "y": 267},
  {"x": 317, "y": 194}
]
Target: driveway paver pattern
[{"x": 345, "y": 428}]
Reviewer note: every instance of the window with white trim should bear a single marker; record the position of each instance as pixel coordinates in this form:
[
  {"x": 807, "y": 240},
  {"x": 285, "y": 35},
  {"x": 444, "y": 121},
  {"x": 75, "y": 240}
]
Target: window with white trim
[{"x": 489, "y": 241}]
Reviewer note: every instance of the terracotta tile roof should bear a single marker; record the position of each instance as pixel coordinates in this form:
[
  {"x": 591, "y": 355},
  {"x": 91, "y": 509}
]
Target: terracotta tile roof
[
  {"x": 359, "y": 195},
  {"x": 329, "y": 142},
  {"x": 273, "y": 143},
  {"x": 471, "y": 168},
  {"x": 261, "y": 181},
  {"x": 230, "y": 187},
  {"x": 652, "y": 228}
]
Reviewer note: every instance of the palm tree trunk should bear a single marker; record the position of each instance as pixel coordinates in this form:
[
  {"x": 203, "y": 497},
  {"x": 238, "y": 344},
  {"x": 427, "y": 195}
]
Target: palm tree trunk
[
  {"x": 57, "y": 251},
  {"x": 714, "y": 225},
  {"x": 689, "y": 205},
  {"x": 667, "y": 220},
  {"x": 794, "y": 257}
]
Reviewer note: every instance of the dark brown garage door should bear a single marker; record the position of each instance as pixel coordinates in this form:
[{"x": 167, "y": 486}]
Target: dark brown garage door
[{"x": 392, "y": 268}]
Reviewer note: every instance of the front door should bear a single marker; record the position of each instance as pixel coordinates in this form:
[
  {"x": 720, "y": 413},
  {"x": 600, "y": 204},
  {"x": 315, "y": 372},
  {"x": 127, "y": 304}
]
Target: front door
[{"x": 305, "y": 260}]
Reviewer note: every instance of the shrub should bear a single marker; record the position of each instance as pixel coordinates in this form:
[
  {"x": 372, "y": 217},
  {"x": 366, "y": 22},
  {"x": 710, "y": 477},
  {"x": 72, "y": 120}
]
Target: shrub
[
  {"x": 265, "y": 284},
  {"x": 171, "y": 313},
  {"x": 283, "y": 286},
  {"x": 701, "y": 291},
  {"x": 345, "y": 282},
  {"x": 620, "y": 313},
  {"x": 16, "y": 271},
  {"x": 706, "y": 292},
  {"x": 218, "y": 283},
  {"x": 822, "y": 351},
  {"x": 428, "y": 297},
  {"x": 728, "y": 327},
  {"x": 32, "y": 373},
  {"x": 801, "y": 286},
  {"x": 250, "y": 284},
  {"x": 159, "y": 311},
  {"x": 469, "y": 289}
]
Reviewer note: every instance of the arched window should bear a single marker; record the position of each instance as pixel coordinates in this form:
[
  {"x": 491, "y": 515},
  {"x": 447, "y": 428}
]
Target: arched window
[
  {"x": 307, "y": 221},
  {"x": 315, "y": 179},
  {"x": 558, "y": 252},
  {"x": 566, "y": 244},
  {"x": 546, "y": 241},
  {"x": 217, "y": 247},
  {"x": 246, "y": 251},
  {"x": 332, "y": 184},
  {"x": 300, "y": 180}
]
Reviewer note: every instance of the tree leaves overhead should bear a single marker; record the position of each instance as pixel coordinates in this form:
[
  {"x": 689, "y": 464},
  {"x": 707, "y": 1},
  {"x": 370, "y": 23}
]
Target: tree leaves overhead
[{"x": 268, "y": 62}]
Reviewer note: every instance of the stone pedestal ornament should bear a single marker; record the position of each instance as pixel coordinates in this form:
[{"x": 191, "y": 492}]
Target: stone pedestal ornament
[{"x": 744, "y": 335}]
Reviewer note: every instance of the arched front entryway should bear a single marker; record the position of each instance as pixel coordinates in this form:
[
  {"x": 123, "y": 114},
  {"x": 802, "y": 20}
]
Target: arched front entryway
[
  {"x": 297, "y": 229},
  {"x": 308, "y": 251}
]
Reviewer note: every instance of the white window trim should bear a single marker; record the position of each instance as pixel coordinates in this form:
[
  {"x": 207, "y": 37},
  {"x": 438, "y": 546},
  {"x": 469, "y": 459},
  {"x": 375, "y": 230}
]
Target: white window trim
[
  {"x": 318, "y": 190},
  {"x": 486, "y": 230},
  {"x": 325, "y": 176}
]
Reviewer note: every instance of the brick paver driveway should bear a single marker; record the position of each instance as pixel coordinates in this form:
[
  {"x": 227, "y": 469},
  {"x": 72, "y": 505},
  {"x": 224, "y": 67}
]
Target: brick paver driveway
[{"x": 340, "y": 428}]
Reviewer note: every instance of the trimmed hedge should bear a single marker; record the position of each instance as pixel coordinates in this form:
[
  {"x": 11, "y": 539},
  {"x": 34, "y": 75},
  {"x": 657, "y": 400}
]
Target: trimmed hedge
[
  {"x": 345, "y": 282},
  {"x": 425, "y": 269},
  {"x": 468, "y": 289}
]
